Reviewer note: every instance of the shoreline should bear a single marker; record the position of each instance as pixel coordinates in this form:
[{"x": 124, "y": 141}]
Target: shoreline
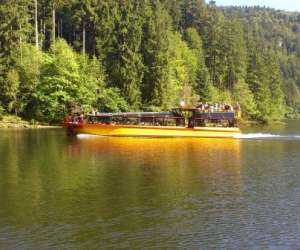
[
  {"x": 25, "y": 126},
  {"x": 15, "y": 122},
  {"x": 18, "y": 123}
]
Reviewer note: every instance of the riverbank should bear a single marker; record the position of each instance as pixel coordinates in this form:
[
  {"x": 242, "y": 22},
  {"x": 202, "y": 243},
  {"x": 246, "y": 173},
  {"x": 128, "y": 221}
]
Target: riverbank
[{"x": 11, "y": 121}]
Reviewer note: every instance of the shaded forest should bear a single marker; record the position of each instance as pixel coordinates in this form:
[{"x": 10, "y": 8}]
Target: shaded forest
[{"x": 129, "y": 55}]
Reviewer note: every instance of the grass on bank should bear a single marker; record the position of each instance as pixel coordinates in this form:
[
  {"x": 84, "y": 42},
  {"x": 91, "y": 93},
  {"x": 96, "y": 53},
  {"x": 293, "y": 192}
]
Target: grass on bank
[{"x": 13, "y": 121}]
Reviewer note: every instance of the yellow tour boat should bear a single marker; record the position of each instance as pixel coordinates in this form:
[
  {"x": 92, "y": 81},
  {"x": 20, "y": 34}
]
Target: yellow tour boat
[{"x": 180, "y": 122}]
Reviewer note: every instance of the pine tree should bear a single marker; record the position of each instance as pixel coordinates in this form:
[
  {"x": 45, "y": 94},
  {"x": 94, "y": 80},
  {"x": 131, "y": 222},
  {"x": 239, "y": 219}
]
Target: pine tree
[
  {"x": 120, "y": 48},
  {"x": 257, "y": 79},
  {"x": 214, "y": 25},
  {"x": 11, "y": 90},
  {"x": 202, "y": 83},
  {"x": 275, "y": 85},
  {"x": 156, "y": 54},
  {"x": 233, "y": 53},
  {"x": 15, "y": 29},
  {"x": 192, "y": 13},
  {"x": 82, "y": 21}
]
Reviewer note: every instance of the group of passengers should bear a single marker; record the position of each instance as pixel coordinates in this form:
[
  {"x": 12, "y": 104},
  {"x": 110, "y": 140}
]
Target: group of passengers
[
  {"x": 218, "y": 107},
  {"x": 78, "y": 118},
  {"x": 204, "y": 107}
]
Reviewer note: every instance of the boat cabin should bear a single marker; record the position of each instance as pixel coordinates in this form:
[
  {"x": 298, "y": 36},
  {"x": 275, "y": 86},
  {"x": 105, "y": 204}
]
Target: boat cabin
[
  {"x": 138, "y": 118},
  {"x": 179, "y": 117}
]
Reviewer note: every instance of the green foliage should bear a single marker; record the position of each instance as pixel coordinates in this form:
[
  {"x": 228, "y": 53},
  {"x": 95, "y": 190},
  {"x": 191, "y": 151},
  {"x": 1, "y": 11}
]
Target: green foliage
[
  {"x": 292, "y": 95},
  {"x": 258, "y": 84},
  {"x": 204, "y": 87},
  {"x": 156, "y": 53},
  {"x": 15, "y": 27},
  {"x": 122, "y": 55},
  {"x": 28, "y": 67},
  {"x": 11, "y": 90},
  {"x": 183, "y": 74},
  {"x": 2, "y": 112},
  {"x": 67, "y": 77},
  {"x": 194, "y": 41},
  {"x": 148, "y": 54},
  {"x": 242, "y": 95},
  {"x": 110, "y": 100}
]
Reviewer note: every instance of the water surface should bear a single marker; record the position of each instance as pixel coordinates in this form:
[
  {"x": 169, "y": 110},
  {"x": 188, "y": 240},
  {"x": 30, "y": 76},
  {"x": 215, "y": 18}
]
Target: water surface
[{"x": 135, "y": 193}]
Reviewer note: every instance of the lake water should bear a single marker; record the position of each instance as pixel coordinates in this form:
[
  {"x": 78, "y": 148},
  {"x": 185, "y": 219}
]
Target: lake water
[{"x": 135, "y": 193}]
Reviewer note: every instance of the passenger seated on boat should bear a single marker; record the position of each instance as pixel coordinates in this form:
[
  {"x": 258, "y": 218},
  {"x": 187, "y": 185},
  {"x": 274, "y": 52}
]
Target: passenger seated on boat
[
  {"x": 74, "y": 119},
  {"x": 179, "y": 122},
  {"x": 191, "y": 122},
  {"x": 226, "y": 107},
  {"x": 200, "y": 106},
  {"x": 80, "y": 118},
  {"x": 206, "y": 107},
  {"x": 68, "y": 119}
]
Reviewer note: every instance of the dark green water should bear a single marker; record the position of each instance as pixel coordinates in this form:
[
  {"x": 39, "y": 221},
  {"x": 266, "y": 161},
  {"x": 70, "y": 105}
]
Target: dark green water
[{"x": 125, "y": 193}]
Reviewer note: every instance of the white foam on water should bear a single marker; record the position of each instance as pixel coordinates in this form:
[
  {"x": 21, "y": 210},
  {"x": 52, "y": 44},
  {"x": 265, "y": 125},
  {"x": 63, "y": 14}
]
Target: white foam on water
[
  {"x": 267, "y": 136},
  {"x": 256, "y": 136},
  {"x": 86, "y": 136},
  {"x": 242, "y": 136}
]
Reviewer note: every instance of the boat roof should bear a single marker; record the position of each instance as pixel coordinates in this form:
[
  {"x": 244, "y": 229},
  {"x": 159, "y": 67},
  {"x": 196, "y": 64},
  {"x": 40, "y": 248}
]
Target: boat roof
[{"x": 134, "y": 114}]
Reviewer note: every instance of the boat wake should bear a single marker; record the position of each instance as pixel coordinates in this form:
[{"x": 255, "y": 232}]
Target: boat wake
[
  {"x": 250, "y": 136},
  {"x": 264, "y": 136},
  {"x": 87, "y": 136}
]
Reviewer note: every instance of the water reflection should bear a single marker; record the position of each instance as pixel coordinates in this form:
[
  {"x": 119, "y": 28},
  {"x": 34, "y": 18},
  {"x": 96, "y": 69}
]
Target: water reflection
[
  {"x": 106, "y": 186},
  {"x": 101, "y": 192},
  {"x": 168, "y": 161}
]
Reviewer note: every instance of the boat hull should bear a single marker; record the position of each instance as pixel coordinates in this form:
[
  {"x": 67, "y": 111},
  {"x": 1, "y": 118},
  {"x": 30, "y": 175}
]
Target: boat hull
[{"x": 151, "y": 131}]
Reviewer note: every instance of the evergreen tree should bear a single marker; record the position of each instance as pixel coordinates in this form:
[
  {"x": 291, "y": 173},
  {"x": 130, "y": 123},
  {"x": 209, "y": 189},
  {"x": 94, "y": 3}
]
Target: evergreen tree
[
  {"x": 234, "y": 53},
  {"x": 183, "y": 72},
  {"x": 156, "y": 54},
  {"x": 257, "y": 79},
  {"x": 146, "y": 54},
  {"x": 275, "y": 84},
  {"x": 214, "y": 25},
  {"x": 123, "y": 58},
  {"x": 243, "y": 95},
  {"x": 202, "y": 82},
  {"x": 192, "y": 13},
  {"x": 82, "y": 20},
  {"x": 15, "y": 28},
  {"x": 11, "y": 90}
]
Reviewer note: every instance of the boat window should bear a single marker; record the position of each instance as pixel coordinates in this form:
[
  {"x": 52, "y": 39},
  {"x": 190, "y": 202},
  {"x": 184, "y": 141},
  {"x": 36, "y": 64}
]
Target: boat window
[
  {"x": 158, "y": 121},
  {"x": 104, "y": 119},
  {"x": 214, "y": 123},
  {"x": 132, "y": 121},
  {"x": 147, "y": 121},
  {"x": 118, "y": 120}
]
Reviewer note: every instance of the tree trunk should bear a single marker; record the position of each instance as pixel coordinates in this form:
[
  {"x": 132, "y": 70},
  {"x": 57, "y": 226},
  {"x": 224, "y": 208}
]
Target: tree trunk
[
  {"x": 83, "y": 38},
  {"x": 21, "y": 49},
  {"x": 53, "y": 24},
  {"x": 58, "y": 28},
  {"x": 61, "y": 28},
  {"x": 36, "y": 24},
  {"x": 43, "y": 30}
]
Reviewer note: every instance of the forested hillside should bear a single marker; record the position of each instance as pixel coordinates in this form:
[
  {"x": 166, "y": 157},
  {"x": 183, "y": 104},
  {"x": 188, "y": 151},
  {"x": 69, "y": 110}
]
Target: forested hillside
[{"x": 118, "y": 55}]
